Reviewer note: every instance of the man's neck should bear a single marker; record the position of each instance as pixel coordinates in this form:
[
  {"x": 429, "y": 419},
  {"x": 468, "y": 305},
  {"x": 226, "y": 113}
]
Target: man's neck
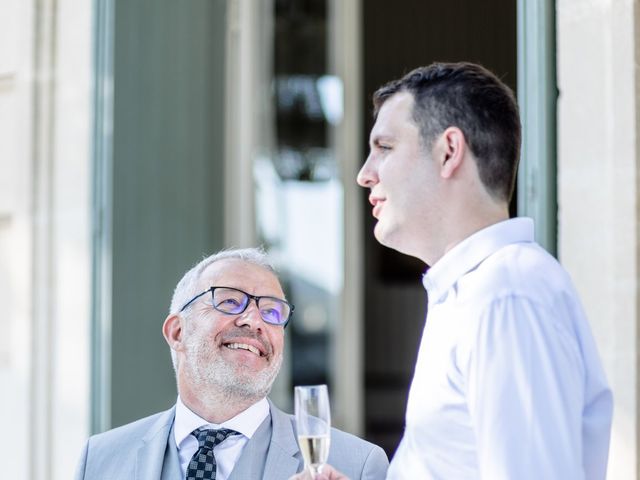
[
  {"x": 216, "y": 407},
  {"x": 464, "y": 227}
]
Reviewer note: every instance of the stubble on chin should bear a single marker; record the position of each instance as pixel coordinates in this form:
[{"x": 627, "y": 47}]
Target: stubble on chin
[{"x": 216, "y": 379}]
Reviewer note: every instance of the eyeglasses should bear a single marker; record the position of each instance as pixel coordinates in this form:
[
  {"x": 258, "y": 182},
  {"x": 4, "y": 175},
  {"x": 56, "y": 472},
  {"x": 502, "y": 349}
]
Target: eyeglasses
[{"x": 232, "y": 301}]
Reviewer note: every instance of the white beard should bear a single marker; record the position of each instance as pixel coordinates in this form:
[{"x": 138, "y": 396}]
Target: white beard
[{"x": 212, "y": 376}]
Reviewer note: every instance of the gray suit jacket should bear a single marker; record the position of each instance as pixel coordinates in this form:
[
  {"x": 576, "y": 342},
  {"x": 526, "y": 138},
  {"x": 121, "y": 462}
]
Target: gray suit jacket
[{"x": 145, "y": 450}]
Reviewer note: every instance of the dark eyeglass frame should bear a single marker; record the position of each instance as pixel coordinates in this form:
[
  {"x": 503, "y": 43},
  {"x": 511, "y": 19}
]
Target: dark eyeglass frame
[{"x": 255, "y": 298}]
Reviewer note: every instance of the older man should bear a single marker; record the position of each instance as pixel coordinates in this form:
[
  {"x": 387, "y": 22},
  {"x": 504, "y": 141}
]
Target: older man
[
  {"x": 226, "y": 334},
  {"x": 507, "y": 383}
]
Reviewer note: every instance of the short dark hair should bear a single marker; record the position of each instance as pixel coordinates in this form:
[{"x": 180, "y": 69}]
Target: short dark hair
[{"x": 470, "y": 97}]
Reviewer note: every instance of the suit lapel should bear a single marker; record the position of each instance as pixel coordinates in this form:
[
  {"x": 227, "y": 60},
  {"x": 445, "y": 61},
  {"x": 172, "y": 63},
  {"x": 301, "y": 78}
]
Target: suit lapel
[
  {"x": 284, "y": 458},
  {"x": 151, "y": 453},
  {"x": 272, "y": 453},
  {"x": 253, "y": 456},
  {"x": 171, "y": 468}
]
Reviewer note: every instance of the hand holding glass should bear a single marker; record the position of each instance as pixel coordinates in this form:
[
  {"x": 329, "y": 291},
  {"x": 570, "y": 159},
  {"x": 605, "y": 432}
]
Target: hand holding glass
[{"x": 313, "y": 420}]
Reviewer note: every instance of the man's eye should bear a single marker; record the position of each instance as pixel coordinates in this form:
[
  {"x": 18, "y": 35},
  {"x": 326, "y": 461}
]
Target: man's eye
[
  {"x": 271, "y": 315},
  {"x": 229, "y": 302}
]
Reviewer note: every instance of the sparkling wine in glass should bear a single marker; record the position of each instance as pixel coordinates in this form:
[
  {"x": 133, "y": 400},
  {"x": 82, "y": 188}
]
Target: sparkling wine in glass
[{"x": 313, "y": 421}]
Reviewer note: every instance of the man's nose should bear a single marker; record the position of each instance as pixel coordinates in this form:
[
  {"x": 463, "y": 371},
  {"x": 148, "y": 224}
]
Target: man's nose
[
  {"x": 251, "y": 316},
  {"x": 366, "y": 176}
]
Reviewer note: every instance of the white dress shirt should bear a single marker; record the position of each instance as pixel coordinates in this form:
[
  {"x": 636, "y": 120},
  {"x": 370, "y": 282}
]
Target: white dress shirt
[
  {"x": 227, "y": 452},
  {"x": 508, "y": 383}
]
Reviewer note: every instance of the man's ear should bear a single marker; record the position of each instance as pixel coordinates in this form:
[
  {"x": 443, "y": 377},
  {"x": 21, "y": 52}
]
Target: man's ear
[
  {"x": 452, "y": 147},
  {"x": 172, "y": 331}
]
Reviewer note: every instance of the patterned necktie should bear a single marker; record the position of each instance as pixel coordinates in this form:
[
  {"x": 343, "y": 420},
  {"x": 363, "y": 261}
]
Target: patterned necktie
[{"x": 202, "y": 465}]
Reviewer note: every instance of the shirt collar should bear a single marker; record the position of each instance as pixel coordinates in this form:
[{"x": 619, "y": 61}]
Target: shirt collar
[
  {"x": 470, "y": 252},
  {"x": 246, "y": 422}
]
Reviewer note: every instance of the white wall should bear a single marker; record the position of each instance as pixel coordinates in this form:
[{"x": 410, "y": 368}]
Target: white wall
[
  {"x": 597, "y": 193},
  {"x": 15, "y": 232},
  {"x": 45, "y": 235}
]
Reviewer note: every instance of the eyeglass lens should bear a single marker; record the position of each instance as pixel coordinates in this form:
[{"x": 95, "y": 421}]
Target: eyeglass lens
[{"x": 232, "y": 301}]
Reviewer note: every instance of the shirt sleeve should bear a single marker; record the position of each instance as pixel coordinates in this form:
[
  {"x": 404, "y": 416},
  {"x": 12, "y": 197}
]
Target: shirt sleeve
[{"x": 525, "y": 389}]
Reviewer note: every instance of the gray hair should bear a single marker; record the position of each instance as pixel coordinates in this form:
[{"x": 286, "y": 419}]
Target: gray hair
[{"x": 188, "y": 285}]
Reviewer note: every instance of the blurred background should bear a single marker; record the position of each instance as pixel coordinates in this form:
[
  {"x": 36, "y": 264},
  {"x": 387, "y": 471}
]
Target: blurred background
[{"x": 137, "y": 137}]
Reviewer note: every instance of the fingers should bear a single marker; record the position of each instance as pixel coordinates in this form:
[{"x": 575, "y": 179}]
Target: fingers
[{"x": 330, "y": 473}]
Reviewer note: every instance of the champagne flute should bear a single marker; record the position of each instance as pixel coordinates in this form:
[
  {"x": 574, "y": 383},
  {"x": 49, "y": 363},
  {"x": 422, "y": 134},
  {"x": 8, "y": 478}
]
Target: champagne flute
[{"x": 313, "y": 420}]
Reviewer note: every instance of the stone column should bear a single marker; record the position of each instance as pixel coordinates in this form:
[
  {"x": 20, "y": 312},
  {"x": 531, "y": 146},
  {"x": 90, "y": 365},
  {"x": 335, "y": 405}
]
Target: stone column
[{"x": 598, "y": 193}]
